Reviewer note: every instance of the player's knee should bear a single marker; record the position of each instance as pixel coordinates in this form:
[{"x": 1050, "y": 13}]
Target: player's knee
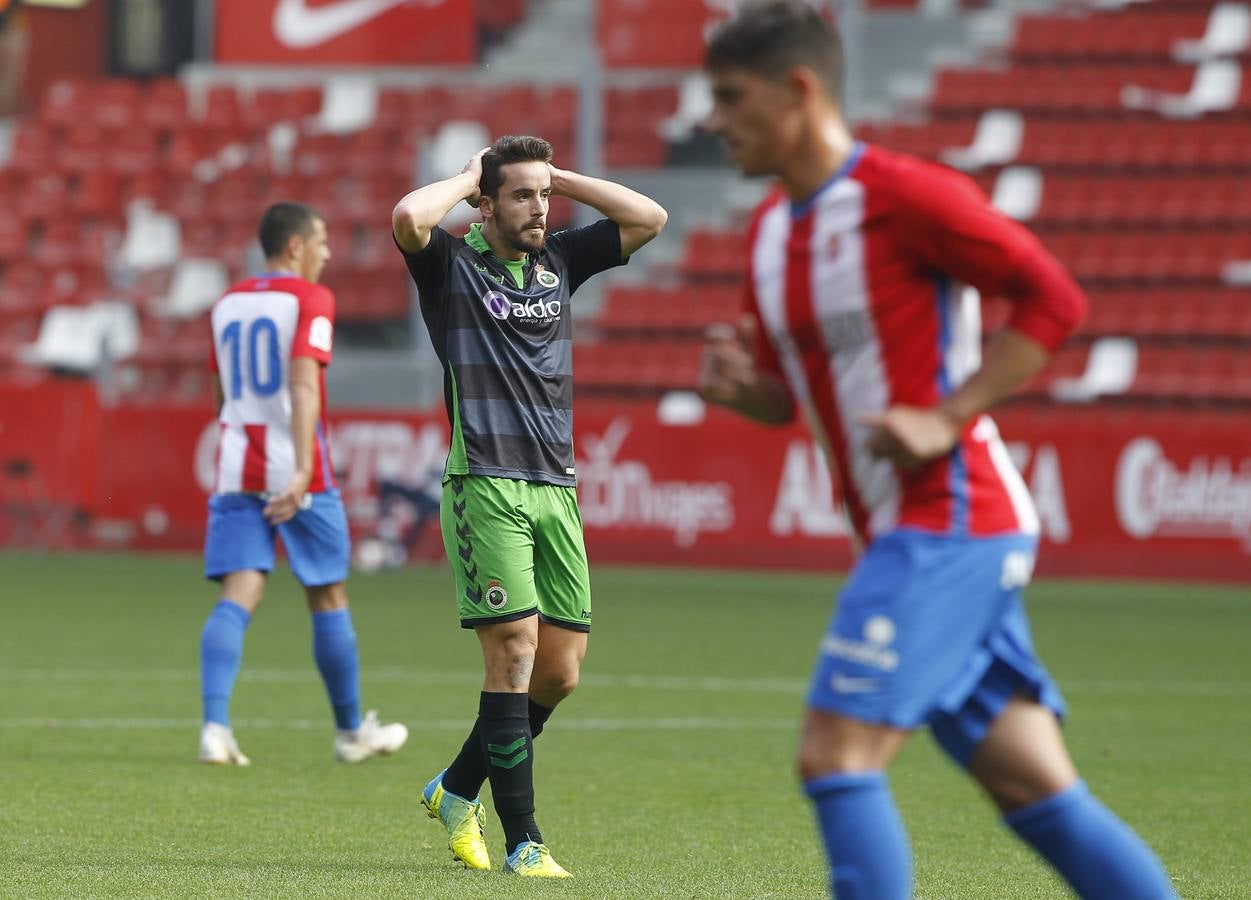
[
  {"x": 835, "y": 751},
  {"x": 513, "y": 661},
  {"x": 326, "y": 597},
  {"x": 555, "y": 686},
  {"x": 814, "y": 761},
  {"x": 1011, "y": 791}
]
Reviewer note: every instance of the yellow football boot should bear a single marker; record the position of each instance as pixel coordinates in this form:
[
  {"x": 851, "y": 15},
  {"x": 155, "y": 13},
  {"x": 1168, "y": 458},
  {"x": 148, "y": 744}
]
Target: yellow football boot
[
  {"x": 463, "y": 820},
  {"x": 532, "y": 860}
]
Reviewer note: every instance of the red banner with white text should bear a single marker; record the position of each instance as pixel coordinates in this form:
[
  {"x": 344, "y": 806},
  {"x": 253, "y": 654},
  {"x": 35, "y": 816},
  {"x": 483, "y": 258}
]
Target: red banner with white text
[
  {"x": 1124, "y": 493},
  {"x": 380, "y": 32}
]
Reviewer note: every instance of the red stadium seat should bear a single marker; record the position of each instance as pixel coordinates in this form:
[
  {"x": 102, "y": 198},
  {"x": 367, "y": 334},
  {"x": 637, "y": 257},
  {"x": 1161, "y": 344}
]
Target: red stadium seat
[
  {"x": 222, "y": 108},
  {"x": 13, "y": 238},
  {"x": 66, "y": 101},
  {"x": 133, "y": 152},
  {"x": 98, "y": 193},
  {"x": 164, "y": 106},
  {"x": 32, "y": 147},
  {"x": 1138, "y": 31},
  {"x": 21, "y": 288},
  {"x": 1066, "y": 87},
  {"x": 58, "y": 243},
  {"x": 45, "y": 198}
]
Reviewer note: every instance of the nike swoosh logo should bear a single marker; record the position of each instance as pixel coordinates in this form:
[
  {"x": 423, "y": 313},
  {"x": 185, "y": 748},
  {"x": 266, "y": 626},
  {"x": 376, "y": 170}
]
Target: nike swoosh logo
[
  {"x": 299, "y": 26},
  {"x": 844, "y": 685}
]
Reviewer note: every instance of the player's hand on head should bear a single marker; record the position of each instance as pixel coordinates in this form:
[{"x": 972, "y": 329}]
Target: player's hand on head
[
  {"x": 910, "y": 436},
  {"x": 474, "y": 167},
  {"x": 557, "y": 176}
]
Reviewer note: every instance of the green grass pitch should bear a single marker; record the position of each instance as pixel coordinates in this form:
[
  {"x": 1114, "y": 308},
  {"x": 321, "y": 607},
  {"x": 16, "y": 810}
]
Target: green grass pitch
[{"x": 668, "y": 774}]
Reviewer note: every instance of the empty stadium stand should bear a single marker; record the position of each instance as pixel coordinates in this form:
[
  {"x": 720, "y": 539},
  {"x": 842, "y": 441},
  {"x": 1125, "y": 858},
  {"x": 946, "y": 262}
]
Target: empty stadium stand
[
  {"x": 1126, "y": 167},
  {"x": 1119, "y": 135}
]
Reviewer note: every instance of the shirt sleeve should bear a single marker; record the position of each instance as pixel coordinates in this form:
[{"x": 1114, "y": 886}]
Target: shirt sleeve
[
  {"x": 314, "y": 330},
  {"x": 430, "y": 267},
  {"x": 212, "y": 359},
  {"x": 955, "y": 231},
  {"x": 588, "y": 250}
]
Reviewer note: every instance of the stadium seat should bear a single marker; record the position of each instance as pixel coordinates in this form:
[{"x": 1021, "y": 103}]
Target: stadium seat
[
  {"x": 1148, "y": 31},
  {"x": 65, "y": 102},
  {"x": 115, "y": 103},
  {"x": 164, "y": 106},
  {"x": 13, "y": 238},
  {"x": 222, "y": 108},
  {"x": 1227, "y": 32},
  {"x": 996, "y": 141},
  {"x": 81, "y": 338},
  {"x": 32, "y": 148},
  {"x": 1110, "y": 369},
  {"x": 349, "y": 105}
]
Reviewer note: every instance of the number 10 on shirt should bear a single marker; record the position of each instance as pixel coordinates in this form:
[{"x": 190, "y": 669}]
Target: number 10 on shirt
[{"x": 262, "y": 340}]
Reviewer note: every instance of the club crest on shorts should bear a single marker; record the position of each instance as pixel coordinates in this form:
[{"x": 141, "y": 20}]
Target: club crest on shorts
[
  {"x": 546, "y": 278},
  {"x": 496, "y": 596}
]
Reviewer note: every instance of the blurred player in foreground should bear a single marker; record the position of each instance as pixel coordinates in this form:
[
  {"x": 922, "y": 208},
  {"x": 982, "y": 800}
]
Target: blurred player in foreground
[
  {"x": 272, "y": 338},
  {"x": 497, "y": 306},
  {"x": 856, "y": 316}
]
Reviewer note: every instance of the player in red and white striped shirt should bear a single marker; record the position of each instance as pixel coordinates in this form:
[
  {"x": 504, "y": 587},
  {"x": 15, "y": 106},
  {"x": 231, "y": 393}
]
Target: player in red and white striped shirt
[
  {"x": 857, "y": 316},
  {"x": 272, "y": 339}
]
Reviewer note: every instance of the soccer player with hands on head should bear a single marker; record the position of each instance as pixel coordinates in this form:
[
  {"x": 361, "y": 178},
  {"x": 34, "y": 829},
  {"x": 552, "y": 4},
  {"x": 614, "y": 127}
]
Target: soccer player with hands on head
[
  {"x": 272, "y": 339},
  {"x": 497, "y": 305},
  {"x": 857, "y": 316}
]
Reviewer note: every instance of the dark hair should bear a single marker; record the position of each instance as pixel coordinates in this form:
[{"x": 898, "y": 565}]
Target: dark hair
[
  {"x": 510, "y": 149},
  {"x": 769, "y": 37},
  {"x": 283, "y": 221}
]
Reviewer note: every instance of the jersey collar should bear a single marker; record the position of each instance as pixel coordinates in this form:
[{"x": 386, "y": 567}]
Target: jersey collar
[
  {"x": 478, "y": 242},
  {"x": 801, "y": 209}
]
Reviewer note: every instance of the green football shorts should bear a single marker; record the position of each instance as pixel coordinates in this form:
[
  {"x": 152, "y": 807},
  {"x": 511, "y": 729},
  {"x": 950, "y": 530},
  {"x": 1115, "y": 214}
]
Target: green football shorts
[{"x": 515, "y": 548}]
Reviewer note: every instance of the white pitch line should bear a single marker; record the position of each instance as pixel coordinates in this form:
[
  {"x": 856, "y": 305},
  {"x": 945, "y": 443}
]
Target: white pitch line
[
  {"x": 697, "y": 683},
  {"x": 52, "y": 723},
  {"x": 706, "y": 683}
]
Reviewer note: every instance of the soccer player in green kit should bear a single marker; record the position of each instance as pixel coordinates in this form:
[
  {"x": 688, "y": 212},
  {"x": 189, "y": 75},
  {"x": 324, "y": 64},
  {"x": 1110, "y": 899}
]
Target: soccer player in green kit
[{"x": 496, "y": 304}]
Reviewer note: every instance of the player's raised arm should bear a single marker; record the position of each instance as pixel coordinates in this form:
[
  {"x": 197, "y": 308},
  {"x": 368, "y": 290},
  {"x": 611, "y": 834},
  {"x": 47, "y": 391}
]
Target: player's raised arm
[
  {"x": 640, "y": 218},
  {"x": 420, "y": 210}
]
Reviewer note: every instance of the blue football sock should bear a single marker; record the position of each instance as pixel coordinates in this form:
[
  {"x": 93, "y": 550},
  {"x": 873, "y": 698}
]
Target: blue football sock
[
  {"x": 334, "y": 649},
  {"x": 1094, "y": 851},
  {"x": 864, "y": 837},
  {"x": 221, "y": 651}
]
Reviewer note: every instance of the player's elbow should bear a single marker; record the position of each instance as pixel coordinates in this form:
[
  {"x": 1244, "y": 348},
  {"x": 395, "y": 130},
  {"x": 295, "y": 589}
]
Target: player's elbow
[
  {"x": 646, "y": 226},
  {"x": 408, "y": 225},
  {"x": 654, "y": 222}
]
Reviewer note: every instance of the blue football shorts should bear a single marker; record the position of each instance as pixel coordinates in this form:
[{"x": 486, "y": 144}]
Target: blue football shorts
[
  {"x": 316, "y": 539},
  {"x": 930, "y": 629}
]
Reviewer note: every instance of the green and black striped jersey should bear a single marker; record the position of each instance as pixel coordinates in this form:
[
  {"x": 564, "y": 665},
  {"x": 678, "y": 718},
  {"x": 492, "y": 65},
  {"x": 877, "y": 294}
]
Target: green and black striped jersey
[{"x": 503, "y": 331}]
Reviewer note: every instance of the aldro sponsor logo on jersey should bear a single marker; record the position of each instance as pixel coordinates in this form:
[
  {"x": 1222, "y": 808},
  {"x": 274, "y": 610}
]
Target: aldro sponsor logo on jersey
[{"x": 529, "y": 311}]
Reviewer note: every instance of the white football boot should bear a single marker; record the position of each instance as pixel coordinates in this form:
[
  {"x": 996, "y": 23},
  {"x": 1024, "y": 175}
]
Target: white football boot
[
  {"x": 219, "y": 748},
  {"x": 371, "y": 739}
]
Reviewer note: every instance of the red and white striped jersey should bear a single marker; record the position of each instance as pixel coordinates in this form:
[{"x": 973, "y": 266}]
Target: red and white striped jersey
[
  {"x": 259, "y": 326},
  {"x": 860, "y": 295}
]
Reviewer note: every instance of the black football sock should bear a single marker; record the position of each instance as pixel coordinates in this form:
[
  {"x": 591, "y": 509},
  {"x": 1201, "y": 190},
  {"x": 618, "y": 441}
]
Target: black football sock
[
  {"x": 538, "y": 718},
  {"x": 504, "y": 729},
  {"x": 464, "y": 777}
]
